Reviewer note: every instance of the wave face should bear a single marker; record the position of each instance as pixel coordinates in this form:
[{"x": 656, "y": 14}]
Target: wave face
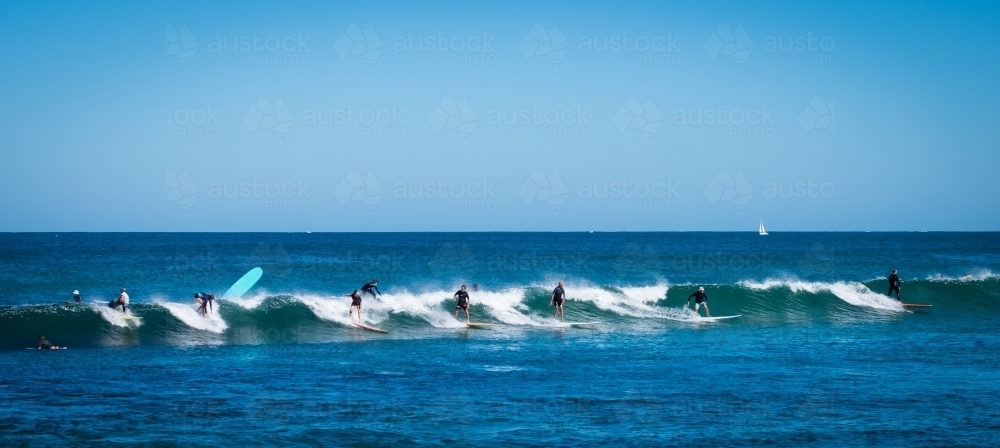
[{"x": 288, "y": 318}]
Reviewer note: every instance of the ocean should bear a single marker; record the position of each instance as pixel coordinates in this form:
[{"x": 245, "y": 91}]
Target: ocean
[{"x": 819, "y": 355}]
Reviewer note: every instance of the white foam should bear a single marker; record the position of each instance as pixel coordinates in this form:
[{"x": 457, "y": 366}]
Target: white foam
[
  {"x": 508, "y": 306},
  {"x": 854, "y": 293},
  {"x": 976, "y": 276},
  {"x": 114, "y": 317},
  {"x": 632, "y": 301},
  {"x": 250, "y": 302},
  {"x": 188, "y": 313}
]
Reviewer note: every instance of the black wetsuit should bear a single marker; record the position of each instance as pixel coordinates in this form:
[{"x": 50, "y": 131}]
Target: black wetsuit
[
  {"x": 893, "y": 285},
  {"x": 463, "y": 300},
  {"x": 76, "y": 298},
  {"x": 356, "y": 300},
  {"x": 204, "y": 302},
  {"x": 558, "y": 295},
  {"x": 44, "y": 344},
  {"x": 699, "y": 297},
  {"x": 367, "y": 289}
]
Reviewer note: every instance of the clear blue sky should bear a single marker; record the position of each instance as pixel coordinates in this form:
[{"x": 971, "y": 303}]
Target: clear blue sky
[{"x": 562, "y": 116}]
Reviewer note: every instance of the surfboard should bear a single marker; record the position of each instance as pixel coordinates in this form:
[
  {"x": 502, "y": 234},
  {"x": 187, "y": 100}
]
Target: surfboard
[
  {"x": 580, "y": 324},
  {"x": 366, "y": 327},
  {"x": 478, "y": 325},
  {"x": 243, "y": 284},
  {"x": 36, "y": 348},
  {"x": 916, "y": 305},
  {"x": 128, "y": 316},
  {"x": 699, "y": 319}
]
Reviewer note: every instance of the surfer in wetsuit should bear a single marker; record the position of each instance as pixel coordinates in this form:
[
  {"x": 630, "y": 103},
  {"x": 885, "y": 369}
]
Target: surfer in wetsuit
[
  {"x": 204, "y": 303},
  {"x": 700, "y": 299},
  {"x": 355, "y": 302},
  {"x": 369, "y": 287},
  {"x": 894, "y": 284},
  {"x": 462, "y": 302},
  {"x": 44, "y": 344},
  {"x": 558, "y": 297},
  {"x": 76, "y": 296}
]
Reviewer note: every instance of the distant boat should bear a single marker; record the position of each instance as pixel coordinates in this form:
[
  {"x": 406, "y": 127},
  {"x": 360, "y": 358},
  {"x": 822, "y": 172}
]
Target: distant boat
[{"x": 762, "y": 231}]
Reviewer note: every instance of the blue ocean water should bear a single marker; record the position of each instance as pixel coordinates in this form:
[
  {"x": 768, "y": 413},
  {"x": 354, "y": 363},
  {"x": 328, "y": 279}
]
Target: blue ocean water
[{"x": 819, "y": 355}]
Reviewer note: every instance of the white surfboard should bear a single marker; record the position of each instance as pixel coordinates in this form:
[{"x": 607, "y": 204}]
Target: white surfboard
[
  {"x": 36, "y": 348},
  {"x": 369, "y": 328},
  {"x": 243, "y": 284},
  {"x": 581, "y": 324},
  {"x": 699, "y": 319},
  {"x": 478, "y": 325}
]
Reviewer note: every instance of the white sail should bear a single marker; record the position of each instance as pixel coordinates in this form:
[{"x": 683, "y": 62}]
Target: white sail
[{"x": 761, "y": 230}]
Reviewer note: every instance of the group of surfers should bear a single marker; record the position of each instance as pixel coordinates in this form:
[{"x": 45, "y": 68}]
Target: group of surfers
[{"x": 461, "y": 297}]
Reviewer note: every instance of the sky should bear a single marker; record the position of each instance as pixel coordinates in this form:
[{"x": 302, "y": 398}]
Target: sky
[{"x": 502, "y": 116}]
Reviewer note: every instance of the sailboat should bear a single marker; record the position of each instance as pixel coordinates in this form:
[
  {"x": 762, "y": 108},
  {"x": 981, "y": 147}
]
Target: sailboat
[{"x": 762, "y": 231}]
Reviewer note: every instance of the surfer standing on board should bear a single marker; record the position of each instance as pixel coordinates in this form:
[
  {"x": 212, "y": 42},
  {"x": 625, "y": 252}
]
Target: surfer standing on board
[
  {"x": 462, "y": 302},
  {"x": 894, "y": 284},
  {"x": 355, "y": 302},
  {"x": 700, "y": 300},
  {"x": 558, "y": 297},
  {"x": 368, "y": 287},
  {"x": 204, "y": 303}
]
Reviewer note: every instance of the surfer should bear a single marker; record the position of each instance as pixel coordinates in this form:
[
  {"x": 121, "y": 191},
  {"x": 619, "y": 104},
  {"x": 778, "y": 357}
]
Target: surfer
[
  {"x": 355, "y": 302},
  {"x": 894, "y": 284},
  {"x": 204, "y": 303},
  {"x": 76, "y": 296},
  {"x": 462, "y": 302},
  {"x": 368, "y": 287},
  {"x": 44, "y": 344},
  {"x": 558, "y": 297},
  {"x": 121, "y": 300},
  {"x": 700, "y": 299}
]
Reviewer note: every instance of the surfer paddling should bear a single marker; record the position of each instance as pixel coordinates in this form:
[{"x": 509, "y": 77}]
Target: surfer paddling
[
  {"x": 44, "y": 344},
  {"x": 462, "y": 302},
  {"x": 700, "y": 300},
  {"x": 355, "y": 302},
  {"x": 558, "y": 297},
  {"x": 894, "y": 284}
]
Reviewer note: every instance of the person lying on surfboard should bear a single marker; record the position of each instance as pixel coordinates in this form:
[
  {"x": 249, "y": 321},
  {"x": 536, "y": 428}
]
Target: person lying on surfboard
[
  {"x": 558, "y": 297},
  {"x": 44, "y": 344},
  {"x": 700, "y": 300},
  {"x": 462, "y": 302},
  {"x": 894, "y": 284},
  {"x": 355, "y": 302},
  {"x": 368, "y": 287}
]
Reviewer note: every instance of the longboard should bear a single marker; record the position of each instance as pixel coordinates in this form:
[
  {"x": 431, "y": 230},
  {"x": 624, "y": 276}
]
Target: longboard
[
  {"x": 478, "y": 325},
  {"x": 36, "y": 348},
  {"x": 703, "y": 319},
  {"x": 243, "y": 284},
  {"x": 916, "y": 305},
  {"x": 579, "y": 324},
  {"x": 366, "y": 327},
  {"x": 128, "y": 316}
]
